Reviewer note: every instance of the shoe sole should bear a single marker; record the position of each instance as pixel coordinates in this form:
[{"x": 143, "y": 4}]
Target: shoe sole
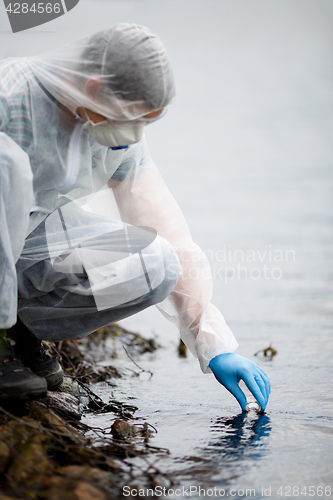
[{"x": 55, "y": 379}]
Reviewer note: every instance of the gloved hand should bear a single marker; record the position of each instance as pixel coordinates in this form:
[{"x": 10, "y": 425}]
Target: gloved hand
[{"x": 230, "y": 368}]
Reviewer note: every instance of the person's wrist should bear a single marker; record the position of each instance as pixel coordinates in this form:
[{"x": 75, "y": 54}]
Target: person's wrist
[{"x": 217, "y": 358}]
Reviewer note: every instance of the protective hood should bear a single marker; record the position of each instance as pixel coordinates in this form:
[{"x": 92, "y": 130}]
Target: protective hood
[{"x": 121, "y": 73}]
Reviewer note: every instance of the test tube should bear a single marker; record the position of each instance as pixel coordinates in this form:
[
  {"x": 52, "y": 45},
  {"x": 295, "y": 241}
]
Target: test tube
[{"x": 253, "y": 405}]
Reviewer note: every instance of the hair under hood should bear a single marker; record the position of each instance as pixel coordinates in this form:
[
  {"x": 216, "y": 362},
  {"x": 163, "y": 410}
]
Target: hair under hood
[{"x": 128, "y": 60}]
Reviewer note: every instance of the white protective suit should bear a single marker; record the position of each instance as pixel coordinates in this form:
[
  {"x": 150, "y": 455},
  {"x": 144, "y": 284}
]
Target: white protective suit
[{"x": 83, "y": 191}]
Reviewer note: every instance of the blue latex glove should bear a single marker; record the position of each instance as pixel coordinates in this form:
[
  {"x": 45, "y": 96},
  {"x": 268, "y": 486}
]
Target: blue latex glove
[{"x": 230, "y": 368}]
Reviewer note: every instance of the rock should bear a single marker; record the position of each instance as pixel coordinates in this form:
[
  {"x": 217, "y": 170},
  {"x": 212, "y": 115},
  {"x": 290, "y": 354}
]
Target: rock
[
  {"x": 89, "y": 474},
  {"x": 66, "y": 404},
  {"x": 5, "y": 497},
  {"x": 84, "y": 471},
  {"x": 44, "y": 457},
  {"x": 122, "y": 429},
  {"x": 15, "y": 433},
  {"x": 70, "y": 386},
  {"x": 84, "y": 456},
  {"x": 85, "y": 491},
  {"x": 29, "y": 462},
  {"x": 60, "y": 488},
  {"x": 4, "y": 456},
  {"x": 51, "y": 420}
]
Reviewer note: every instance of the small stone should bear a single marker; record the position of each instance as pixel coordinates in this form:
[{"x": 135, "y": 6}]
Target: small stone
[
  {"x": 122, "y": 429},
  {"x": 70, "y": 386}
]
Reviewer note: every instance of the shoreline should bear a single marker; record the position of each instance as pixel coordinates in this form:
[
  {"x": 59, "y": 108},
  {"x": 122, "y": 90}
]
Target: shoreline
[{"x": 46, "y": 452}]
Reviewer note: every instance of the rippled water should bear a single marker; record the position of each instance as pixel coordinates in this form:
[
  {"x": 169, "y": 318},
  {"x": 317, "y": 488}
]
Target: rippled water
[
  {"x": 247, "y": 151},
  {"x": 212, "y": 444}
]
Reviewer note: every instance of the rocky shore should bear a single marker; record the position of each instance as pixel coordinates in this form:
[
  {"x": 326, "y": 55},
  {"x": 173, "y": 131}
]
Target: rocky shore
[{"x": 46, "y": 452}]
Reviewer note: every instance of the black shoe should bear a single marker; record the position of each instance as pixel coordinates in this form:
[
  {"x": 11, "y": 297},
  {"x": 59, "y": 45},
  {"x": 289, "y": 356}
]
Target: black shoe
[
  {"x": 32, "y": 354},
  {"x": 17, "y": 381}
]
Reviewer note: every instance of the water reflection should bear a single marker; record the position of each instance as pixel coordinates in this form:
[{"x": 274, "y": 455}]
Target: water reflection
[
  {"x": 235, "y": 444},
  {"x": 240, "y": 436}
]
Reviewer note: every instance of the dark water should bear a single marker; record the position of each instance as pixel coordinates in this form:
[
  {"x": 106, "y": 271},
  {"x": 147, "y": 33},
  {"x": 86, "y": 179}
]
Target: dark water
[{"x": 247, "y": 151}]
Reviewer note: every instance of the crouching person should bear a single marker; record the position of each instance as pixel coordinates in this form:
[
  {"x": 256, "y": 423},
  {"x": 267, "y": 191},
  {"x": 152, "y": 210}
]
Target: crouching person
[{"x": 72, "y": 129}]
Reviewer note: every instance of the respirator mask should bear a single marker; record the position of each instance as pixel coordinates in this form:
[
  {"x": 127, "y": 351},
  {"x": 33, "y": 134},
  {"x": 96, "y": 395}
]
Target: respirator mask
[{"x": 113, "y": 135}]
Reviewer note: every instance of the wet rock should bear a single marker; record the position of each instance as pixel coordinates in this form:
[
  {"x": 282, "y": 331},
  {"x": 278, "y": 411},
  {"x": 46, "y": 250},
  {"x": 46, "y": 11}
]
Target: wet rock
[
  {"x": 85, "y": 491},
  {"x": 59, "y": 488},
  {"x": 44, "y": 454},
  {"x": 5, "y": 433},
  {"x": 65, "y": 404},
  {"x": 70, "y": 386},
  {"x": 51, "y": 420},
  {"x": 30, "y": 461},
  {"x": 16, "y": 433},
  {"x": 88, "y": 456},
  {"x": 5, "y": 497},
  {"x": 122, "y": 429},
  {"x": 93, "y": 475},
  {"x": 85, "y": 472}
]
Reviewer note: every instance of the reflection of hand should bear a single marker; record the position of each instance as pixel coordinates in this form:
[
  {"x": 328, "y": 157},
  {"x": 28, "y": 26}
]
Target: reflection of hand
[{"x": 230, "y": 368}]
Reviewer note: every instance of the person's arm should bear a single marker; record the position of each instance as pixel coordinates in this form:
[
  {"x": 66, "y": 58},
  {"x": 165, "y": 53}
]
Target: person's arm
[{"x": 144, "y": 200}]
